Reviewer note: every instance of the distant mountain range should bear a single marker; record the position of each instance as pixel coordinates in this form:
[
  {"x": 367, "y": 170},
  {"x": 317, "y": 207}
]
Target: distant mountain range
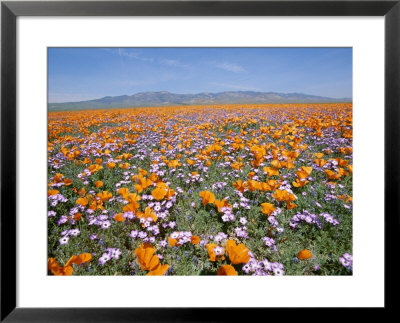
[{"x": 164, "y": 98}]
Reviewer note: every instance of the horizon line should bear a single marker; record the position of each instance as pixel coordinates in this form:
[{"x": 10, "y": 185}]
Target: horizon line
[{"x": 196, "y": 93}]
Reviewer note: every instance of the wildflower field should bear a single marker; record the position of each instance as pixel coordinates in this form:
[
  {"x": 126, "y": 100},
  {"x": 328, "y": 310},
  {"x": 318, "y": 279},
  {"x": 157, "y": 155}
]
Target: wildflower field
[{"x": 201, "y": 190}]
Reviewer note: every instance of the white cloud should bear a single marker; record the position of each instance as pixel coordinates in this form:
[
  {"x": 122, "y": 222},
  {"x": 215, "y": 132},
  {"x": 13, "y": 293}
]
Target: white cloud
[
  {"x": 122, "y": 52},
  {"x": 129, "y": 53},
  {"x": 230, "y": 67},
  {"x": 173, "y": 63}
]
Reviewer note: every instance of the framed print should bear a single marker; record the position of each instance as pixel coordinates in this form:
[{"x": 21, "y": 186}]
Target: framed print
[{"x": 192, "y": 140}]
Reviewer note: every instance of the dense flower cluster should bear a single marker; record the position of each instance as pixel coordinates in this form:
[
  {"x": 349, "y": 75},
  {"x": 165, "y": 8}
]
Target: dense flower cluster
[
  {"x": 263, "y": 268},
  {"x": 311, "y": 218},
  {"x": 201, "y": 190}
]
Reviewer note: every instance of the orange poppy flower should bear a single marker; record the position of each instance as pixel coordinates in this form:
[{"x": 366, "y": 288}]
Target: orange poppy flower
[
  {"x": 133, "y": 198},
  {"x": 237, "y": 165},
  {"x": 143, "y": 183},
  {"x": 253, "y": 185},
  {"x": 67, "y": 269},
  {"x": 240, "y": 186},
  {"x": 94, "y": 168},
  {"x": 174, "y": 163},
  {"x": 119, "y": 218},
  {"x": 82, "y": 192},
  {"x": 345, "y": 150},
  {"x": 273, "y": 183},
  {"x": 146, "y": 257},
  {"x": 57, "y": 270},
  {"x": 303, "y": 172},
  {"x": 290, "y": 154},
  {"x": 159, "y": 193},
  {"x": 299, "y": 183},
  {"x": 172, "y": 242},
  {"x": 195, "y": 239},
  {"x": 127, "y": 156},
  {"x": 304, "y": 254},
  {"x": 227, "y": 270},
  {"x": 130, "y": 207},
  {"x": 251, "y": 174},
  {"x": 170, "y": 193},
  {"x": 80, "y": 259},
  {"x": 341, "y": 162},
  {"x": 98, "y": 184},
  {"x": 148, "y": 213},
  {"x": 190, "y": 162},
  {"x": 290, "y": 205},
  {"x": 52, "y": 192},
  {"x": 350, "y": 168},
  {"x": 123, "y": 191},
  {"x": 96, "y": 205},
  {"x": 238, "y": 254},
  {"x": 82, "y": 201},
  {"x": 111, "y": 165},
  {"x": 346, "y": 198},
  {"x": 53, "y": 265},
  {"x": 124, "y": 165},
  {"x": 67, "y": 181},
  {"x": 342, "y": 172},
  {"x": 265, "y": 187},
  {"x": 275, "y": 163},
  {"x": 104, "y": 196},
  {"x": 320, "y": 162},
  {"x": 220, "y": 204},
  {"x": 207, "y": 197},
  {"x": 142, "y": 171},
  {"x": 57, "y": 178},
  {"x": 270, "y": 171},
  {"x": 77, "y": 216},
  {"x": 331, "y": 174},
  {"x": 153, "y": 177},
  {"x": 289, "y": 164},
  {"x": 211, "y": 253},
  {"x": 160, "y": 270},
  {"x": 267, "y": 208},
  {"x": 280, "y": 195}
]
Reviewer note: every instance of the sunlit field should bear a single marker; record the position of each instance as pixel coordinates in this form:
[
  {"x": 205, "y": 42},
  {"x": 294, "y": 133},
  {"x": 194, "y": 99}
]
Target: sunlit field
[{"x": 191, "y": 190}]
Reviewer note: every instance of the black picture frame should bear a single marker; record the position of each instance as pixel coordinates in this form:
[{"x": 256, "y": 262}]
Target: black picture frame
[{"x": 10, "y": 10}]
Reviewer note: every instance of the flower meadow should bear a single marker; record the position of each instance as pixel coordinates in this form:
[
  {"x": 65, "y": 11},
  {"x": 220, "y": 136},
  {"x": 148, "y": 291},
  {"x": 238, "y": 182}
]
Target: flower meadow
[{"x": 201, "y": 190}]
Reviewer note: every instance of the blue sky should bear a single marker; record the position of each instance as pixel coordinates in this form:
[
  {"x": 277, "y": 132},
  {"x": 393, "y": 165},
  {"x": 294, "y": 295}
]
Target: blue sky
[{"x": 77, "y": 74}]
